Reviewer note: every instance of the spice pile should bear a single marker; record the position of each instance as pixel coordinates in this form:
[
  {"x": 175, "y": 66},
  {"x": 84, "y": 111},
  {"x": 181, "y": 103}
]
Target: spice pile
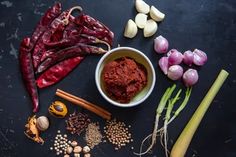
[
  {"x": 63, "y": 146},
  {"x": 117, "y": 133},
  {"x": 58, "y": 44},
  {"x": 60, "y": 143},
  {"x": 77, "y": 123},
  {"x": 93, "y": 135}
]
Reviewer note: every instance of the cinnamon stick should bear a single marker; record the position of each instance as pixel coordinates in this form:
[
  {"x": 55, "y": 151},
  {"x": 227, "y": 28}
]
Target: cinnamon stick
[{"x": 85, "y": 104}]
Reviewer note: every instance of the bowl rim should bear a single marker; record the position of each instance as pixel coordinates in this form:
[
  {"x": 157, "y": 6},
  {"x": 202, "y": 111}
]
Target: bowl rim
[{"x": 124, "y": 105}]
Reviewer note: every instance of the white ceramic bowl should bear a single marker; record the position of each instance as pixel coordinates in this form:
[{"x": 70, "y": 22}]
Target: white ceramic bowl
[{"x": 139, "y": 57}]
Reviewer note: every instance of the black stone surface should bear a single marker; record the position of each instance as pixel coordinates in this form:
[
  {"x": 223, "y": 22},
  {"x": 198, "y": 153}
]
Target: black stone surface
[{"x": 203, "y": 24}]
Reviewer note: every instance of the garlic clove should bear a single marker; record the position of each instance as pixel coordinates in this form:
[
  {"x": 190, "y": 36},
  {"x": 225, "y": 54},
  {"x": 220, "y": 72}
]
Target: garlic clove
[
  {"x": 150, "y": 28},
  {"x": 156, "y": 14},
  {"x": 142, "y": 7},
  {"x": 141, "y": 20},
  {"x": 130, "y": 29}
]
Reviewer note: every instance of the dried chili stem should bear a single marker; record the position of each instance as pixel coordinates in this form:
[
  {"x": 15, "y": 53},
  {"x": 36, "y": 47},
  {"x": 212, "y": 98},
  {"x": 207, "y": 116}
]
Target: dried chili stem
[
  {"x": 66, "y": 20},
  {"x": 103, "y": 42}
]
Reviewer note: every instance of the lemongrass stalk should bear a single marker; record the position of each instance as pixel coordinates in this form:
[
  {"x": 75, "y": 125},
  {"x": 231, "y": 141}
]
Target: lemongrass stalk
[{"x": 181, "y": 145}]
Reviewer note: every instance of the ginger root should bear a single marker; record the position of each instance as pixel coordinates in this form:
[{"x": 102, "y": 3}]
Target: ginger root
[{"x": 32, "y": 131}]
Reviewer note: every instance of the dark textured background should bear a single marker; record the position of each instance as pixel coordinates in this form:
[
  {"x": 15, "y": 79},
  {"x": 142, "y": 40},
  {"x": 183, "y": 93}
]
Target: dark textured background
[{"x": 189, "y": 24}]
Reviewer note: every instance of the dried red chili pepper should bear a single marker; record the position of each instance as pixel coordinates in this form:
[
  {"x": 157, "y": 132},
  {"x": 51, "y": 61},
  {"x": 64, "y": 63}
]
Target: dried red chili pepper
[
  {"x": 96, "y": 28},
  {"x": 102, "y": 35},
  {"x": 57, "y": 72},
  {"x": 56, "y": 28},
  {"x": 71, "y": 30},
  {"x": 82, "y": 38},
  {"x": 73, "y": 40},
  {"x": 28, "y": 72},
  {"x": 44, "y": 22},
  {"x": 57, "y": 45},
  {"x": 73, "y": 51}
]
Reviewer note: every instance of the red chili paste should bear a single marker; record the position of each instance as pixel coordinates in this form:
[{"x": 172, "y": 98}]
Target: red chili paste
[{"x": 124, "y": 78}]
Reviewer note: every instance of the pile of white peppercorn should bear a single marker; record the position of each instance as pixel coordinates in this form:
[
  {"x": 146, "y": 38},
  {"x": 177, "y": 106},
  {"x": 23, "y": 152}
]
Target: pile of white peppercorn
[
  {"x": 60, "y": 143},
  {"x": 117, "y": 133},
  {"x": 64, "y": 146}
]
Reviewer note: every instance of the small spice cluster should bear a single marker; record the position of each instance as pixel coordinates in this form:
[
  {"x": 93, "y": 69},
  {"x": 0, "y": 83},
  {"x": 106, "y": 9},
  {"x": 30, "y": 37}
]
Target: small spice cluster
[
  {"x": 77, "y": 150},
  {"x": 93, "y": 135},
  {"x": 63, "y": 146},
  {"x": 117, "y": 133},
  {"x": 60, "y": 143},
  {"x": 77, "y": 122}
]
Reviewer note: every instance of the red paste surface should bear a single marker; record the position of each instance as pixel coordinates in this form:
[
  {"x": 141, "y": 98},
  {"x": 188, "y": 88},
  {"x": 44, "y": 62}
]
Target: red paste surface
[{"x": 124, "y": 78}]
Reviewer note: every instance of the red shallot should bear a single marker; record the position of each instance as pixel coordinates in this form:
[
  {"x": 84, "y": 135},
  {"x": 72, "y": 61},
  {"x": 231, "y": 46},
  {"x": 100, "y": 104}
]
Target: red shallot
[
  {"x": 175, "y": 72},
  {"x": 188, "y": 57},
  {"x": 190, "y": 77},
  {"x": 200, "y": 57},
  {"x": 161, "y": 44},
  {"x": 174, "y": 57},
  {"x": 163, "y": 64}
]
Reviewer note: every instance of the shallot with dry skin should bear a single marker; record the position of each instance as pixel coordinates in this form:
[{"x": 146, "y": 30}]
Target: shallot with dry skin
[
  {"x": 174, "y": 57},
  {"x": 175, "y": 72},
  {"x": 188, "y": 57},
  {"x": 161, "y": 44},
  {"x": 190, "y": 77},
  {"x": 163, "y": 64},
  {"x": 200, "y": 57}
]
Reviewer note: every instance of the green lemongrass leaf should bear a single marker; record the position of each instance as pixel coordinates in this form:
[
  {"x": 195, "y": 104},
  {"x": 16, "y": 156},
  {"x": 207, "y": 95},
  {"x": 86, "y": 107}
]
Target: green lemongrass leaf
[
  {"x": 164, "y": 99},
  {"x": 171, "y": 104},
  {"x": 184, "y": 103}
]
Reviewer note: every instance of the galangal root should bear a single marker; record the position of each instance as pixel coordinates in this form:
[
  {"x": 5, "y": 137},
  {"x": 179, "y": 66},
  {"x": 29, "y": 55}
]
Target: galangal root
[{"x": 32, "y": 131}]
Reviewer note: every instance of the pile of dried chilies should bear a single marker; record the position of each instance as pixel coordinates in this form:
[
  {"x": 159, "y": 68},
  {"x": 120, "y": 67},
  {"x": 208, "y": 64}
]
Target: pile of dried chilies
[{"x": 58, "y": 44}]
